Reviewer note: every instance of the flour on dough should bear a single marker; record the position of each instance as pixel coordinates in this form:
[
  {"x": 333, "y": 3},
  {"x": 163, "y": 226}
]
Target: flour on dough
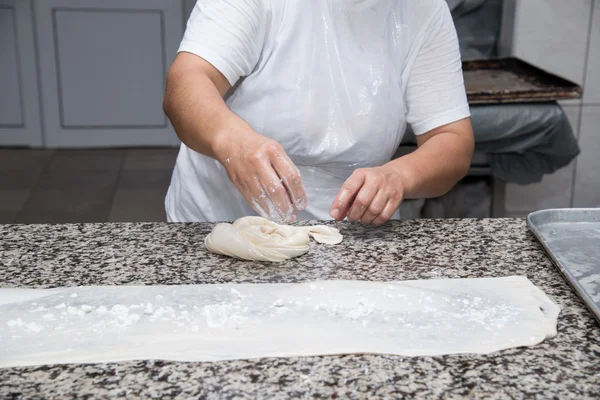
[
  {"x": 258, "y": 239},
  {"x": 247, "y": 321}
]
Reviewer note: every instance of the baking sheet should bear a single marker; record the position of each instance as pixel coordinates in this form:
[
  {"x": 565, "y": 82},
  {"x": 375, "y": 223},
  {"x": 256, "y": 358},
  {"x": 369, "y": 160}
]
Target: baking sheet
[
  {"x": 571, "y": 237},
  {"x": 510, "y": 80},
  {"x": 243, "y": 321}
]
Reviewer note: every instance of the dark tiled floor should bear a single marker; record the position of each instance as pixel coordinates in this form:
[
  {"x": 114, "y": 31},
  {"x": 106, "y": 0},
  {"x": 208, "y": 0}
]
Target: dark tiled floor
[{"x": 61, "y": 186}]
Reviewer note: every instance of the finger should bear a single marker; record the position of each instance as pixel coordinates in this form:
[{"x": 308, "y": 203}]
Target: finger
[
  {"x": 345, "y": 197},
  {"x": 375, "y": 208},
  {"x": 363, "y": 199},
  {"x": 291, "y": 179},
  {"x": 256, "y": 197},
  {"x": 387, "y": 213},
  {"x": 280, "y": 206}
]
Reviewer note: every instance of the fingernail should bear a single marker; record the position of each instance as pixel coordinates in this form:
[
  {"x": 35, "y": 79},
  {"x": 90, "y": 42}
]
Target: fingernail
[{"x": 335, "y": 213}]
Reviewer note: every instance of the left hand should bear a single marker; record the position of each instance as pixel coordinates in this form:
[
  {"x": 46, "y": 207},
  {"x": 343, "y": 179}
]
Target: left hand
[{"x": 371, "y": 195}]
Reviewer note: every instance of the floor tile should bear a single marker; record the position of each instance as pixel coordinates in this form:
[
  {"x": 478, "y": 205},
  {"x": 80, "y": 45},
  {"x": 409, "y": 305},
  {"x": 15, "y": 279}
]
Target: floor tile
[
  {"x": 78, "y": 179},
  {"x": 19, "y": 179},
  {"x": 7, "y": 217},
  {"x": 23, "y": 159},
  {"x": 163, "y": 158},
  {"x": 13, "y": 200},
  {"x": 157, "y": 179},
  {"x": 53, "y": 218},
  {"x": 134, "y": 205},
  {"x": 55, "y": 206},
  {"x": 103, "y": 159},
  {"x": 20, "y": 169}
]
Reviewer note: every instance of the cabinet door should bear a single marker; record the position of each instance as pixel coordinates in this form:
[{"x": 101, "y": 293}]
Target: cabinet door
[
  {"x": 19, "y": 95},
  {"x": 188, "y": 6},
  {"x": 103, "y": 66}
]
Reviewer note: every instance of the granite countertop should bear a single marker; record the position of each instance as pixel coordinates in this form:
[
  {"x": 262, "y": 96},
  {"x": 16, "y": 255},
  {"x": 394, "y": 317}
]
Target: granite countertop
[{"x": 45, "y": 256}]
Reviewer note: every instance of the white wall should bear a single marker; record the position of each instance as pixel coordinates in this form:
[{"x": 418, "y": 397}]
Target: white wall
[{"x": 564, "y": 38}]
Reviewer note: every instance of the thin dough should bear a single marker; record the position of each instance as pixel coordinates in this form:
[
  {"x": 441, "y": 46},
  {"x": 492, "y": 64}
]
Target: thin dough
[
  {"x": 258, "y": 239},
  {"x": 245, "y": 321}
]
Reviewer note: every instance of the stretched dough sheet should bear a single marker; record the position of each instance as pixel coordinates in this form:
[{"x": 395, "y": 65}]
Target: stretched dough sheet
[{"x": 243, "y": 321}]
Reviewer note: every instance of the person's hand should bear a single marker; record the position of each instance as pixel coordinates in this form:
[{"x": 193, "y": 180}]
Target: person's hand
[
  {"x": 266, "y": 177},
  {"x": 371, "y": 195}
]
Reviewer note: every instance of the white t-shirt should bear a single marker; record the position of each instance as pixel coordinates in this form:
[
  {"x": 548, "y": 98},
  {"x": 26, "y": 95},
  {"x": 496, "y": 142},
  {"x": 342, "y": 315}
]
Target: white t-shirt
[{"x": 333, "y": 81}]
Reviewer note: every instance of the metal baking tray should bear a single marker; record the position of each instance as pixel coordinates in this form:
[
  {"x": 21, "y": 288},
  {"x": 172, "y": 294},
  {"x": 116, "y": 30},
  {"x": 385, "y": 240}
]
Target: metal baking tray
[
  {"x": 512, "y": 80},
  {"x": 571, "y": 237}
]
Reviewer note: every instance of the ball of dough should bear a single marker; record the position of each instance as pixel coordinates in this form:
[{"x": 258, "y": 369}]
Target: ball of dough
[{"x": 258, "y": 239}]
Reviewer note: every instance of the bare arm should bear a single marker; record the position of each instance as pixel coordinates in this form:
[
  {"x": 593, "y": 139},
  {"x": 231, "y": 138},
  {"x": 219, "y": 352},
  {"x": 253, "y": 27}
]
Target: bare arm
[
  {"x": 441, "y": 160},
  {"x": 194, "y": 104},
  {"x": 256, "y": 165},
  {"x": 443, "y": 157}
]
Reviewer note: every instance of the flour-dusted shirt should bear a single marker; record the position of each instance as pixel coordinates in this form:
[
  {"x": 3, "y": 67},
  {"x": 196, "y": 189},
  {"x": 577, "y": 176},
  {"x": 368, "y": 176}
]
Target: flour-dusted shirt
[{"x": 333, "y": 81}]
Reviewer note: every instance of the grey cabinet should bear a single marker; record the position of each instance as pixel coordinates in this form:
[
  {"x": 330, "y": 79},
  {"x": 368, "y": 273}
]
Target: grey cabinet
[
  {"x": 102, "y": 70},
  {"x": 19, "y": 95}
]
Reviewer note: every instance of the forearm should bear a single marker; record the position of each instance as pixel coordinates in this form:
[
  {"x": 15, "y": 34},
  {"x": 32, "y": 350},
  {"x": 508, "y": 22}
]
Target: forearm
[
  {"x": 198, "y": 113},
  {"x": 436, "y": 166},
  {"x": 256, "y": 165}
]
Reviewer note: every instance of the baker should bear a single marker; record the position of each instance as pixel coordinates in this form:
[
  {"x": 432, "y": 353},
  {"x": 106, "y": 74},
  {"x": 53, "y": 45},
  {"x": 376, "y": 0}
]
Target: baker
[{"x": 293, "y": 109}]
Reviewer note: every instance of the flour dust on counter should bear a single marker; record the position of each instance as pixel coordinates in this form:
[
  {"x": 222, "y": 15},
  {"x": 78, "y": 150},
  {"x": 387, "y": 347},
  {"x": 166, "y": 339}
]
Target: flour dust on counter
[
  {"x": 245, "y": 321},
  {"x": 258, "y": 239}
]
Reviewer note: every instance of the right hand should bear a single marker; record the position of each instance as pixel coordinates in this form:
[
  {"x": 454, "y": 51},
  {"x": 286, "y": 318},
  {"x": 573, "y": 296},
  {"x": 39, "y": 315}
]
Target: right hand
[{"x": 266, "y": 177}]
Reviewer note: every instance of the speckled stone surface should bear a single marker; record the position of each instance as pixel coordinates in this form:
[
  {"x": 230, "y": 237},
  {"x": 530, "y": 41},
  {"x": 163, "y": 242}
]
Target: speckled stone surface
[{"x": 45, "y": 256}]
